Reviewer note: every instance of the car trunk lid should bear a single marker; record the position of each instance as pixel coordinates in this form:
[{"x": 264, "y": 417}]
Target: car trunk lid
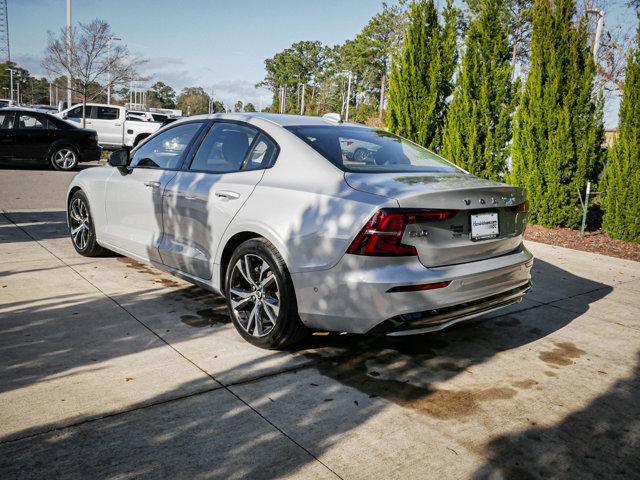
[{"x": 472, "y": 232}]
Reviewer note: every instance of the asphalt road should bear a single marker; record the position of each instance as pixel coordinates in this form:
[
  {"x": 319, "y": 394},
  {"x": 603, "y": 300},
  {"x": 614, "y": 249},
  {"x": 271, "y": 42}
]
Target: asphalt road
[
  {"x": 113, "y": 369},
  {"x": 33, "y": 187}
]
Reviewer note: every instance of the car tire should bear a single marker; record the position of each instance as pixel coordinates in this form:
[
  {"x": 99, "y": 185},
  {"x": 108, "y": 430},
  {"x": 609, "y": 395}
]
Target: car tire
[
  {"x": 81, "y": 227},
  {"x": 64, "y": 159},
  {"x": 261, "y": 298}
]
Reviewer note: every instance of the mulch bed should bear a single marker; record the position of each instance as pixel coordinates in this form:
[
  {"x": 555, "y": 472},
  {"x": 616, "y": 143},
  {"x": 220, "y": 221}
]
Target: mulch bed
[{"x": 596, "y": 241}]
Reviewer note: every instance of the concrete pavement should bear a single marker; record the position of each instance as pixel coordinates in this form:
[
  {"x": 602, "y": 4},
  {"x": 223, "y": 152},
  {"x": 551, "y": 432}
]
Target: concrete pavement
[{"x": 112, "y": 369}]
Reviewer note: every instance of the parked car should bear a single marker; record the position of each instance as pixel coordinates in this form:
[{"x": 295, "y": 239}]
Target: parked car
[
  {"x": 46, "y": 109},
  {"x": 110, "y": 121},
  {"x": 5, "y": 102},
  {"x": 267, "y": 210},
  {"x": 27, "y": 134},
  {"x": 148, "y": 116}
]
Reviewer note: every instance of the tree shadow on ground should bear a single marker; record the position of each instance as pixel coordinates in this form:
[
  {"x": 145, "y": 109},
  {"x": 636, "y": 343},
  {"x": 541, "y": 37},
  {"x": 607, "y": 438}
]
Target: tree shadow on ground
[
  {"x": 600, "y": 441},
  {"x": 201, "y": 428}
]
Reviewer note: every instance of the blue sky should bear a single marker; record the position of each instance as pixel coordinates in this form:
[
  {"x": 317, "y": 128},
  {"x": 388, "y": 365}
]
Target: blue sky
[{"x": 216, "y": 44}]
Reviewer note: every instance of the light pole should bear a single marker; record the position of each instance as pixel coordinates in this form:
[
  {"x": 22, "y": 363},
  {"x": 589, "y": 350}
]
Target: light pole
[
  {"x": 596, "y": 40},
  {"x": 109, "y": 38},
  {"x": 346, "y": 115},
  {"x": 10, "y": 70},
  {"x": 69, "y": 94}
]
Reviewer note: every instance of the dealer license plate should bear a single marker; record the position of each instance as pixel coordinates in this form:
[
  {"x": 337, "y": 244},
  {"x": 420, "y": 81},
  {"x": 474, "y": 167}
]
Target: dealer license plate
[{"x": 484, "y": 225}]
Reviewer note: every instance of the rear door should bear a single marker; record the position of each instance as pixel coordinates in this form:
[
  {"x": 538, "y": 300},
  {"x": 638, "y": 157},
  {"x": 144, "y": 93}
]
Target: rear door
[
  {"x": 134, "y": 199},
  {"x": 107, "y": 122},
  {"x": 32, "y": 135},
  {"x": 6, "y": 134},
  {"x": 200, "y": 202}
]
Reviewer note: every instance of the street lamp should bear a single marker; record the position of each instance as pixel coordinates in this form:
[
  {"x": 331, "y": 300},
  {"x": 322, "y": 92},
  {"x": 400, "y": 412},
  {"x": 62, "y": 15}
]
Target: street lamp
[
  {"x": 596, "y": 40},
  {"x": 346, "y": 115},
  {"x": 10, "y": 70},
  {"x": 109, "y": 39}
]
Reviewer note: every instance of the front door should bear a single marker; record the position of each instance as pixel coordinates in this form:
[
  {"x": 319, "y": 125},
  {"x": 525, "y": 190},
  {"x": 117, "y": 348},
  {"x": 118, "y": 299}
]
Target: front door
[
  {"x": 32, "y": 136},
  {"x": 6, "y": 134},
  {"x": 134, "y": 198},
  {"x": 199, "y": 203},
  {"x": 107, "y": 122}
]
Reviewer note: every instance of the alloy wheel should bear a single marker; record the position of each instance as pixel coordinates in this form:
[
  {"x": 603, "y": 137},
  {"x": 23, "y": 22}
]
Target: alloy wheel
[
  {"x": 255, "y": 295},
  {"x": 79, "y": 221},
  {"x": 64, "y": 158}
]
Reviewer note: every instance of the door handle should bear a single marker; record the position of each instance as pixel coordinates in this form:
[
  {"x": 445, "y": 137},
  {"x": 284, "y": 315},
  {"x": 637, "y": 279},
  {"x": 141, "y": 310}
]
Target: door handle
[
  {"x": 228, "y": 194},
  {"x": 152, "y": 184}
]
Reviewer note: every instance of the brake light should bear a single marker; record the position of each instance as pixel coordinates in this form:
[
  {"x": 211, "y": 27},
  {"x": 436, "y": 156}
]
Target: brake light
[
  {"x": 522, "y": 208},
  {"x": 382, "y": 234}
]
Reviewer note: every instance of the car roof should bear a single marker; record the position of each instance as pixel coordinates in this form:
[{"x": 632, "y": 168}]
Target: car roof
[
  {"x": 22, "y": 109},
  {"x": 283, "y": 120}
]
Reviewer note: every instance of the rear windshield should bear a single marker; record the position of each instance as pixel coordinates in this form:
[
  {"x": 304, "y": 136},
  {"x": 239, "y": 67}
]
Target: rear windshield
[{"x": 359, "y": 149}]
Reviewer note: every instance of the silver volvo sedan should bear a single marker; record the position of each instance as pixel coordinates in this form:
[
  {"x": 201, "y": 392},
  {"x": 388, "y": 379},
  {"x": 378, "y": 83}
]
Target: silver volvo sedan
[{"x": 279, "y": 214}]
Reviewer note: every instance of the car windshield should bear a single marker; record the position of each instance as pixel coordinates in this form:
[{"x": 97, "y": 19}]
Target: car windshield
[{"x": 359, "y": 149}]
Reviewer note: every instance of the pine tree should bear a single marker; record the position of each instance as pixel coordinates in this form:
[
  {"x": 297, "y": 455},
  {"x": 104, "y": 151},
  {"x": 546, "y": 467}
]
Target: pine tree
[
  {"x": 558, "y": 125},
  {"x": 421, "y": 77},
  {"x": 621, "y": 199},
  {"x": 478, "y": 127}
]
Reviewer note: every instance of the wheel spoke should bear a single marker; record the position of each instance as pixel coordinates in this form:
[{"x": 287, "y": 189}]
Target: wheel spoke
[
  {"x": 241, "y": 293},
  {"x": 247, "y": 270},
  {"x": 264, "y": 268},
  {"x": 77, "y": 229},
  {"x": 267, "y": 281},
  {"x": 252, "y": 317},
  {"x": 273, "y": 304},
  {"x": 240, "y": 268},
  {"x": 257, "y": 330},
  {"x": 268, "y": 310}
]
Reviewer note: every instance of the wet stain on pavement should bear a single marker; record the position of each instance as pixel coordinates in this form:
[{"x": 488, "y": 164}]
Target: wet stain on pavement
[
  {"x": 138, "y": 266},
  {"x": 562, "y": 355},
  {"x": 396, "y": 363},
  {"x": 525, "y": 384}
]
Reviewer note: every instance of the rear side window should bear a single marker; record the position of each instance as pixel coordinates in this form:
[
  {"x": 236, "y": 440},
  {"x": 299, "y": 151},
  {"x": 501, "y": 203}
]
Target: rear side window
[
  {"x": 6, "y": 120},
  {"x": 224, "y": 149},
  {"x": 106, "y": 113},
  {"x": 262, "y": 155},
  {"x": 165, "y": 150},
  {"x": 30, "y": 122}
]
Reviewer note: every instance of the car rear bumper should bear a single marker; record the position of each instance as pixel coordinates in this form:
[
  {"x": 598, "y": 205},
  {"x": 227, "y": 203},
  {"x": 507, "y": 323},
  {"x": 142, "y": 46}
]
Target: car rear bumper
[
  {"x": 353, "y": 296},
  {"x": 90, "y": 154}
]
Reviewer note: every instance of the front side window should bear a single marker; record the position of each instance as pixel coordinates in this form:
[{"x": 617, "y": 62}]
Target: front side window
[
  {"x": 106, "y": 113},
  {"x": 29, "y": 122},
  {"x": 77, "y": 112},
  {"x": 166, "y": 149},
  {"x": 6, "y": 120},
  {"x": 224, "y": 148},
  {"x": 360, "y": 149}
]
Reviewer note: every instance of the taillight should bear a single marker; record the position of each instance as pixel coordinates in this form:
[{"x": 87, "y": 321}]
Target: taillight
[
  {"x": 382, "y": 234},
  {"x": 522, "y": 208}
]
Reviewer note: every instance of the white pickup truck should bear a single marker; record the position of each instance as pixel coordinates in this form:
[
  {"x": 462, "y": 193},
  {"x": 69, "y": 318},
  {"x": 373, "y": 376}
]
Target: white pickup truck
[{"x": 114, "y": 130}]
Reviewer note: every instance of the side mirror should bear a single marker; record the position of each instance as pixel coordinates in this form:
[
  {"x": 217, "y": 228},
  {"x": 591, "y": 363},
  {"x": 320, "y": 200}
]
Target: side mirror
[
  {"x": 119, "y": 158},
  {"x": 64, "y": 116}
]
